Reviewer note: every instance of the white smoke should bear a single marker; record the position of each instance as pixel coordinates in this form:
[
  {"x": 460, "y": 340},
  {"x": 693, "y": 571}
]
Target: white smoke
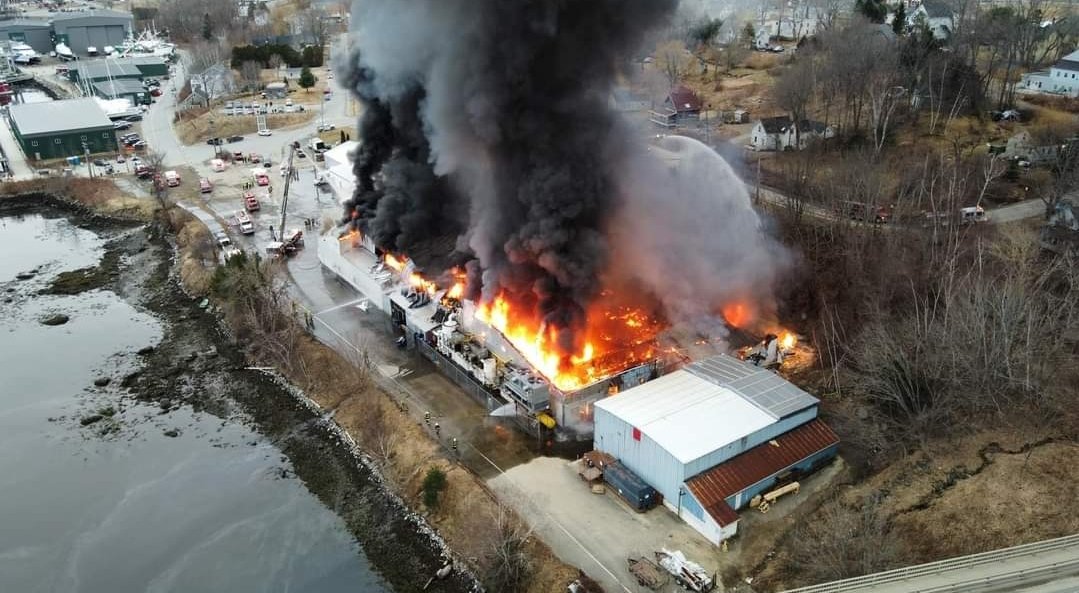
[{"x": 686, "y": 230}]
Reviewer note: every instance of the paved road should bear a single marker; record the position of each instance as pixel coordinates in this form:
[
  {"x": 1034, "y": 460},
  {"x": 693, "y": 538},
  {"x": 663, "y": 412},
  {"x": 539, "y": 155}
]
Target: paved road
[{"x": 1047, "y": 566}]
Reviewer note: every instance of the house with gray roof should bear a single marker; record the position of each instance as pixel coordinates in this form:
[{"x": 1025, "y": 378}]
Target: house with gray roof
[
  {"x": 937, "y": 15},
  {"x": 1062, "y": 78},
  {"x": 59, "y": 129}
]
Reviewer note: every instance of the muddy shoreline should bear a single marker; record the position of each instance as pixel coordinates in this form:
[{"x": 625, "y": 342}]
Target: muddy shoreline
[{"x": 196, "y": 365}]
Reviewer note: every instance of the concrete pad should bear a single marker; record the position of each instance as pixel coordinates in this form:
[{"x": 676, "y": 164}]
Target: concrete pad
[{"x": 596, "y": 533}]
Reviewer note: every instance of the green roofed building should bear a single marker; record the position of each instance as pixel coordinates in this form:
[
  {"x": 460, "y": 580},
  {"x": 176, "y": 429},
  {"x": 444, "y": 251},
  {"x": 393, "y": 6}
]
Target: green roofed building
[
  {"x": 123, "y": 89},
  {"x": 150, "y": 66},
  {"x": 91, "y": 71},
  {"x": 59, "y": 129}
]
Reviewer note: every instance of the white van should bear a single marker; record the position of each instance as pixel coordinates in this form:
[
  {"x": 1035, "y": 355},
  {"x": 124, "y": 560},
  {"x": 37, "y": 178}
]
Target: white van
[
  {"x": 172, "y": 178},
  {"x": 972, "y": 215}
]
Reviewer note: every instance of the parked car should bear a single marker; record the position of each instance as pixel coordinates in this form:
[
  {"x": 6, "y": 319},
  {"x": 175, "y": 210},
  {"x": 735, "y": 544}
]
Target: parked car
[
  {"x": 172, "y": 178},
  {"x": 326, "y": 127},
  {"x": 138, "y": 144},
  {"x": 301, "y": 154},
  {"x": 100, "y": 163},
  {"x": 205, "y": 186},
  {"x": 134, "y": 117},
  {"x": 222, "y": 239},
  {"x": 121, "y": 125},
  {"x": 215, "y": 141},
  {"x": 155, "y": 92},
  {"x": 265, "y": 133},
  {"x": 235, "y": 138}
]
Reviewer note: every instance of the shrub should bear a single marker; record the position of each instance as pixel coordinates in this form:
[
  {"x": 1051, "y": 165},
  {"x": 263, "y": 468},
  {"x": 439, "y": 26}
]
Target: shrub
[{"x": 433, "y": 485}]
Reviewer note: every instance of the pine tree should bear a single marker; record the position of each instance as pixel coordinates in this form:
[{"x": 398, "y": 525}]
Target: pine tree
[
  {"x": 307, "y": 79},
  {"x": 899, "y": 18},
  {"x": 207, "y": 28}
]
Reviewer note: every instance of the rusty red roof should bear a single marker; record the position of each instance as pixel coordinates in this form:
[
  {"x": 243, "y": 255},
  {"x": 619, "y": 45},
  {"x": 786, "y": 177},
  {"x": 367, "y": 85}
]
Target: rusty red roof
[
  {"x": 683, "y": 99},
  {"x": 714, "y": 486}
]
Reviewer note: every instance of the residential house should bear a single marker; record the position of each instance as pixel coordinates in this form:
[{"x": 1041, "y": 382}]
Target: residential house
[
  {"x": 680, "y": 107},
  {"x": 213, "y": 83},
  {"x": 781, "y": 133},
  {"x": 937, "y": 15},
  {"x": 625, "y": 100},
  {"x": 1061, "y": 232},
  {"x": 1024, "y": 146},
  {"x": 1062, "y": 78}
]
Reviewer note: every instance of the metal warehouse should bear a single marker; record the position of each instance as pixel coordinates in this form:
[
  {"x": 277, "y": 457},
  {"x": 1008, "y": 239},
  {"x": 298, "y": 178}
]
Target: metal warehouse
[
  {"x": 37, "y": 33},
  {"x": 712, "y": 435},
  {"x": 123, "y": 89},
  {"x": 149, "y": 66},
  {"x": 99, "y": 70},
  {"x": 59, "y": 129},
  {"x": 94, "y": 28}
]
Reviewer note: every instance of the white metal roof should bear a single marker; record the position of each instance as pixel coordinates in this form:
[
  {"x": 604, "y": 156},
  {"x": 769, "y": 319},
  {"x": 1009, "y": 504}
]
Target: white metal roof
[
  {"x": 340, "y": 154},
  {"x": 59, "y": 116},
  {"x": 687, "y": 415}
]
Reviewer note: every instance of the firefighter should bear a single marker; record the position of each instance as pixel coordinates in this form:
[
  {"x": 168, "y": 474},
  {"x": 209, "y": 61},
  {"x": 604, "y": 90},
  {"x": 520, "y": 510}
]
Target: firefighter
[
  {"x": 454, "y": 443},
  {"x": 438, "y": 429},
  {"x": 427, "y": 418}
]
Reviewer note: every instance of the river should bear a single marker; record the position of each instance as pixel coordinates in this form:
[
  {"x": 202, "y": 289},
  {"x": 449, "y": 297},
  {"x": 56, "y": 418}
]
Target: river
[{"x": 104, "y": 492}]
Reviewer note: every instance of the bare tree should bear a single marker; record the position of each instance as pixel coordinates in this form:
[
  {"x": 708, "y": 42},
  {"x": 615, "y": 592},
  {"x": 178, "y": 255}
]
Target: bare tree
[
  {"x": 313, "y": 26},
  {"x": 250, "y": 72},
  {"x": 510, "y": 563},
  {"x": 794, "y": 90},
  {"x": 842, "y": 541},
  {"x": 184, "y": 18},
  {"x": 673, "y": 59}
]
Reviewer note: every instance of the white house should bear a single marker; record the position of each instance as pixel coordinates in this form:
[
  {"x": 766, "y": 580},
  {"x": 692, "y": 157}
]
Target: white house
[
  {"x": 214, "y": 82},
  {"x": 937, "y": 15},
  {"x": 1062, "y": 78},
  {"x": 780, "y": 133}
]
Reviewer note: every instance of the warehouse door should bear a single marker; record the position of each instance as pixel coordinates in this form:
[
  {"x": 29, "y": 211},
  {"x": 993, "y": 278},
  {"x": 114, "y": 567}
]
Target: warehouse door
[{"x": 98, "y": 37}]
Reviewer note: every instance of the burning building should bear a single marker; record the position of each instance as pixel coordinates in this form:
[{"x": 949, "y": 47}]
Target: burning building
[{"x": 575, "y": 253}]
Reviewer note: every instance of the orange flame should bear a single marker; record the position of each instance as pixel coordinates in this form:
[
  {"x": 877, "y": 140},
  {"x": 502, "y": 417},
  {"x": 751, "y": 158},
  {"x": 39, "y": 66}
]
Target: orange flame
[
  {"x": 788, "y": 341},
  {"x": 456, "y": 291},
  {"x": 394, "y": 262},
  {"x": 614, "y": 339},
  {"x": 737, "y": 314},
  {"x": 420, "y": 283}
]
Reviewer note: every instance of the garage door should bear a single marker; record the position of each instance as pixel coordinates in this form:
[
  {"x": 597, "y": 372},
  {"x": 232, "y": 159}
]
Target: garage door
[{"x": 98, "y": 37}]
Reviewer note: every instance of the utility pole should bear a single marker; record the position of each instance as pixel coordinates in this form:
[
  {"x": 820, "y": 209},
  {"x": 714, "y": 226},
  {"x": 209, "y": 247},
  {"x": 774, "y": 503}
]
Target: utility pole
[
  {"x": 288, "y": 179},
  {"x": 89, "y": 165}
]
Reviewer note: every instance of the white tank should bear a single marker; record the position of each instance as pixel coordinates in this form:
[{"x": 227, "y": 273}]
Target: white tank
[{"x": 489, "y": 374}]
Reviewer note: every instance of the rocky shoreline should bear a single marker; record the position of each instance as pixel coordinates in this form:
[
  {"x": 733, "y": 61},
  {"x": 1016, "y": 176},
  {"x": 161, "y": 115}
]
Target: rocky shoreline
[{"x": 197, "y": 365}]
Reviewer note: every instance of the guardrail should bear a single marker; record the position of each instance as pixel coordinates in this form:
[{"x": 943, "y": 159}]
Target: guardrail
[{"x": 961, "y": 562}]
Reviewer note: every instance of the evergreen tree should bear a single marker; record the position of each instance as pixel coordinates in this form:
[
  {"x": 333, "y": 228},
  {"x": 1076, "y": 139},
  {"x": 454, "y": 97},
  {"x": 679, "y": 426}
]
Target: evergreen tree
[
  {"x": 899, "y": 18},
  {"x": 207, "y": 28},
  {"x": 307, "y": 79}
]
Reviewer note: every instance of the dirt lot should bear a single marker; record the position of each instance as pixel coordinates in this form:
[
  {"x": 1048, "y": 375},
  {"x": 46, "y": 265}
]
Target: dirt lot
[
  {"x": 194, "y": 127},
  {"x": 599, "y": 532}
]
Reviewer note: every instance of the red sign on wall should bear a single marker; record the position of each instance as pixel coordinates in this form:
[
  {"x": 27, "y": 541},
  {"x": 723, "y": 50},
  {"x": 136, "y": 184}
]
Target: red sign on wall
[{"x": 636, "y": 434}]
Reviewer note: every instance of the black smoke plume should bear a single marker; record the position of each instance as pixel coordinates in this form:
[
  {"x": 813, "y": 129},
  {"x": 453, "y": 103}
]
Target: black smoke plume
[{"x": 505, "y": 101}]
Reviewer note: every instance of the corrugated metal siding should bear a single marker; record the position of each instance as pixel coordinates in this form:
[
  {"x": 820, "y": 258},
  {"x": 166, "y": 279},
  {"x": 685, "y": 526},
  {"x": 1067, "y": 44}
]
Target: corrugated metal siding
[
  {"x": 644, "y": 457},
  {"x": 728, "y": 479},
  {"x": 743, "y": 497},
  {"x": 736, "y": 448}
]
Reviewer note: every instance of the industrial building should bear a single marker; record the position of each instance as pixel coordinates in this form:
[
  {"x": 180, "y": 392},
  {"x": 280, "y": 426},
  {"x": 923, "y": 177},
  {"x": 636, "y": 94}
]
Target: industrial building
[
  {"x": 59, "y": 129},
  {"x": 131, "y": 90},
  {"x": 149, "y": 66},
  {"x": 475, "y": 355},
  {"x": 37, "y": 33},
  {"x": 93, "y": 28},
  {"x": 91, "y": 71},
  {"x": 712, "y": 436}
]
